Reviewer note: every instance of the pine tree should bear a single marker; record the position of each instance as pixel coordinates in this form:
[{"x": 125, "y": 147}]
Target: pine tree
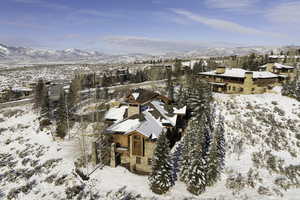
[
  {"x": 61, "y": 124},
  {"x": 39, "y": 92},
  {"x": 196, "y": 178},
  {"x": 185, "y": 157},
  {"x": 216, "y": 154},
  {"x": 177, "y": 68},
  {"x": 176, "y": 160},
  {"x": 45, "y": 110},
  {"x": 73, "y": 95},
  {"x": 170, "y": 87},
  {"x": 199, "y": 98},
  {"x": 161, "y": 179}
]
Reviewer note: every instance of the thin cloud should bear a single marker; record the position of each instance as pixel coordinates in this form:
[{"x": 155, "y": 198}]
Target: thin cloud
[
  {"x": 72, "y": 36},
  {"x": 223, "y": 24},
  {"x": 285, "y": 13},
  {"x": 154, "y": 45},
  {"x": 230, "y": 4},
  {"x": 42, "y": 3},
  {"x": 22, "y": 24},
  {"x": 97, "y": 13}
]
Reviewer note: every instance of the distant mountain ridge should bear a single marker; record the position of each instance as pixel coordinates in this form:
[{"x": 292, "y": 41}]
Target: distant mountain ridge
[
  {"x": 23, "y": 53},
  {"x": 31, "y": 54}
]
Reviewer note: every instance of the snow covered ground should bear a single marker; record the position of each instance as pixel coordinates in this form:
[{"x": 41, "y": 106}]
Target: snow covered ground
[{"x": 261, "y": 162}]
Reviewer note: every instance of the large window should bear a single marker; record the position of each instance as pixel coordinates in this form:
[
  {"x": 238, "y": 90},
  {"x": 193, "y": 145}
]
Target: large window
[{"x": 137, "y": 145}]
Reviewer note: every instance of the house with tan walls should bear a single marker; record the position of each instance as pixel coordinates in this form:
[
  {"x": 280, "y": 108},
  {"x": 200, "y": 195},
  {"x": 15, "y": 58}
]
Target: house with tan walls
[
  {"x": 240, "y": 81},
  {"x": 135, "y": 125},
  {"x": 287, "y": 73}
]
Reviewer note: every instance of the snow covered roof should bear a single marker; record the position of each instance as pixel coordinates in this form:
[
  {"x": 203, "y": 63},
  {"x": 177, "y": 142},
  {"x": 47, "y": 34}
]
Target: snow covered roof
[
  {"x": 21, "y": 89},
  {"x": 150, "y": 122},
  {"x": 125, "y": 126},
  {"x": 276, "y": 56},
  {"x": 278, "y": 66},
  {"x": 180, "y": 111},
  {"x": 116, "y": 114},
  {"x": 240, "y": 73},
  {"x": 141, "y": 95},
  {"x": 160, "y": 108},
  {"x": 149, "y": 126},
  {"x": 135, "y": 95}
]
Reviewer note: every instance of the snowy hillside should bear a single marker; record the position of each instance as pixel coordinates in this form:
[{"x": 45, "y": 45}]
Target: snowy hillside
[{"x": 262, "y": 157}]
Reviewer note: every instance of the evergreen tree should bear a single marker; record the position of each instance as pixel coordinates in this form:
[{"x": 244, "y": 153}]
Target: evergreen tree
[
  {"x": 74, "y": 95},
  {"x": 176, "y": 160},
  {"x": 161, "y": 179},
  {"x": 104, "y": 81},
  {"x": 61, "y": 123},
  {"x": 185, "y": 156},
  {"x": 170, "y": 87},
  {"x": 45, "y": 108},
  {"x": 39, "y": 92},
  {"x": 177, "y": 68},
  {"x": 291, "y": 89},
  {"x": 196, "y": 177},
  {"x": 216, "y": 154},
  {"x": 199, "y": 97}
]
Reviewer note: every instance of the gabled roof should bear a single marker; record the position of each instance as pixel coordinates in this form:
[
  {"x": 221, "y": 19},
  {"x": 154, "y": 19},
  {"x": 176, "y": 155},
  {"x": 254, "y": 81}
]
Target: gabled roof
[
  {"x": 116, "y": 114},
  {"x": 149, "y": 126},
  {"x": 140, "y": 96},
  {"x": 240, "y": 73},
  {"x": 166, "y": 117},
  {"x": 278, "y": 66},
  {"x": 150, "y": 122}
]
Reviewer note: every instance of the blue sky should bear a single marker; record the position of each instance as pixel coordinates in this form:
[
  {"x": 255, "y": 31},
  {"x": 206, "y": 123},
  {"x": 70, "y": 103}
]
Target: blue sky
[{"x": 118, "y": 26}]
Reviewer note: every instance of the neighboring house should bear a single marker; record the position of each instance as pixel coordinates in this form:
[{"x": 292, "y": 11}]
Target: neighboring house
[
  {"x": 22, "y": 92},
  {"x": 135, "y": 125},
  {"x": 240, "y": 81},
  {"x": 16, "y": 93},
  {"x": 190, "y": 64},
  {"x": 288, "y": 73},
  {"x": 277, "y": 58}
]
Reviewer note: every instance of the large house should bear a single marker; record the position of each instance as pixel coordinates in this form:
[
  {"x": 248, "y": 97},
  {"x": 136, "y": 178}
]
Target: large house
[
  {"x": 240, "y": 81},
  {"x": 135, "y": 125},
  {"x": 286, "y": 72}
]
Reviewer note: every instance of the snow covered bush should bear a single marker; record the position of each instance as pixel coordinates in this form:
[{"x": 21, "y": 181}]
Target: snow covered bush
[
  {"x": 122, "y": 194},
  {"x": 72, "y": 192},
  {"x": 236, "y": 182},
  {"x": 264, "y": 191},
  {"x": 291, "y": 89}
]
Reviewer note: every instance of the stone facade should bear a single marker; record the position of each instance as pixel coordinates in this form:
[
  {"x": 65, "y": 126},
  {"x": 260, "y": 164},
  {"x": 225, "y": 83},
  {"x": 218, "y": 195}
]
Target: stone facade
[
  {"x": 288, "y": 71},
  {"x": 136, "y": 161},
  {"x": 239, "y": 81}
]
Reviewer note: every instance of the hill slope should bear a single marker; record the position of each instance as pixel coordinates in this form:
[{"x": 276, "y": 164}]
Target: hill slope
[{"x": 262, "y": 157}]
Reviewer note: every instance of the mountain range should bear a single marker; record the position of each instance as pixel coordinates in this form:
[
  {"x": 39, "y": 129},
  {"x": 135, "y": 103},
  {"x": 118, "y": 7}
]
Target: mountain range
[{"x": 11, "y": 53}]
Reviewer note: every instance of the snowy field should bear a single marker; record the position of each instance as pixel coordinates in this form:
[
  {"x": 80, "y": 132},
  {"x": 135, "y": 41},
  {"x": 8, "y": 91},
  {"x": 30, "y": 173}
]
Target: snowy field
[{"x": 261, "y": 162}]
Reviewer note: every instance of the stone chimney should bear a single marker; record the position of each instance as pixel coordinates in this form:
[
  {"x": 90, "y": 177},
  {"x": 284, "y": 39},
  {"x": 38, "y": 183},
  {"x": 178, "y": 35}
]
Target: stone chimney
[
  {"x": 133, "y": 109},
  {"x": 220, "y": 70},
  {"x": 248, "y": 82}
]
